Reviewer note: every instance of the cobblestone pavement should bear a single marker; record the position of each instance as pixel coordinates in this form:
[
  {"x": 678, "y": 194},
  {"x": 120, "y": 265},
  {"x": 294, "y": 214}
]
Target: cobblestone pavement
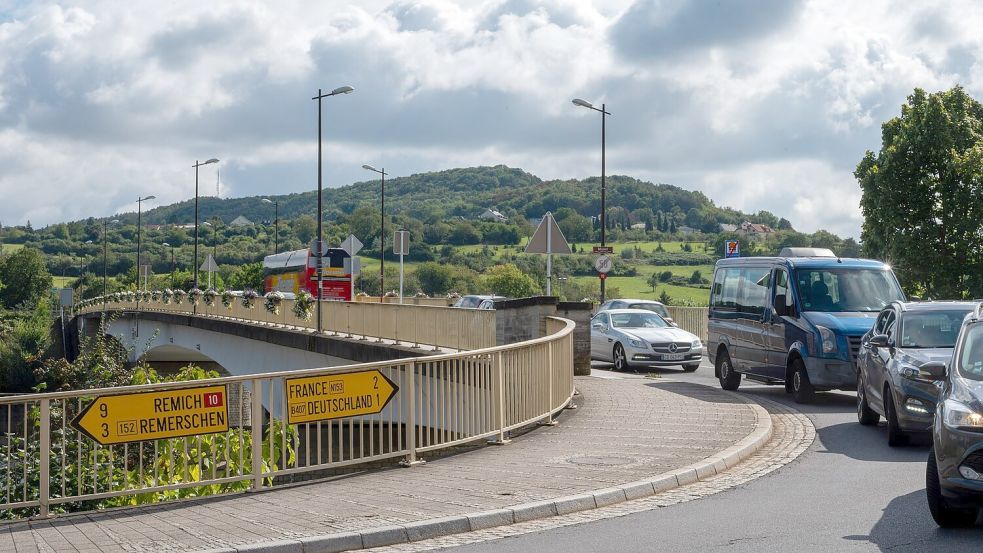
[
  {"x": 792, "y": 434},
  {"x": 624, "y": 430}
]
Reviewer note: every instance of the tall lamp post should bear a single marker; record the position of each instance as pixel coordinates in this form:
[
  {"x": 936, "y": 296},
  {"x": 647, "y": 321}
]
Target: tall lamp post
[
  {"x": 382, "y": 235},
  {"x": 320, "y": 237},
  {"x": 604, "y": 113},
  {"x": 276, "y": 224},
  {"x": 139, "y": 227},
  {"x": 172, "y": 262},
  {"x": 196, "y": 166}
]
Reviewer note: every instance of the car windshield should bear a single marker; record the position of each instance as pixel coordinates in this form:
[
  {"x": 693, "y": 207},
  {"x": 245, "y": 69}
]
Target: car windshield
[
  {"x": 931, "y": 329},
  {"x": 844, "y": 290},
  {"x": 637, "y": 320},
  {"x": 653, "y": 307},
  {"x": 971, "y": 360}
]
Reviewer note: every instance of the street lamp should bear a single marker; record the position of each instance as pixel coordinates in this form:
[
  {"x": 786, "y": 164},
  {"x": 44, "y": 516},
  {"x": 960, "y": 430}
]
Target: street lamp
[
  {"x": 139, "y": 226},
  {"x": 276, "y": 224},
  {"x": 196, "y": 166},
  {"x": 604, "y": 113},
  {"x": 172, "y": 262},
  {"x": 382, "y": 235},
  {"x": 320, "y": 237}
]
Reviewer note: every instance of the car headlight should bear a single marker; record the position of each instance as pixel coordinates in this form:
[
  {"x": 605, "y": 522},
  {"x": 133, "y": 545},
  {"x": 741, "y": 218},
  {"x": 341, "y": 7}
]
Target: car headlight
[
  {"x": 636, "y": 343},
  {"x": 827, "y": 338},
  {"x": 958, "y": 415},
  {"x": 697, "y": 344}
]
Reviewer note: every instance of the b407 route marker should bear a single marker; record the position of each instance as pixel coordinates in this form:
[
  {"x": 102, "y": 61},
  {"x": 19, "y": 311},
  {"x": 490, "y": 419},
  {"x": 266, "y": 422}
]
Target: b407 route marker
[{"x": 145, "y": 416}]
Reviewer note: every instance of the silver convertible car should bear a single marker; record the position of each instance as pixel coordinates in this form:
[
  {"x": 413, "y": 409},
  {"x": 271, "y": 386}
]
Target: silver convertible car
[{"x": 640, "y": 338}]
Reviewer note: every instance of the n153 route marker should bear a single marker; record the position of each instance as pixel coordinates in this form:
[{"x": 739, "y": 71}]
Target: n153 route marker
[
  {"x": 336, "y": 396},
  {"x": 146, "y": 416}
]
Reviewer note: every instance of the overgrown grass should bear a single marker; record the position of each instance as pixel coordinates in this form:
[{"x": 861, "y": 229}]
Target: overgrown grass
[{"x": 10, "y": 248}]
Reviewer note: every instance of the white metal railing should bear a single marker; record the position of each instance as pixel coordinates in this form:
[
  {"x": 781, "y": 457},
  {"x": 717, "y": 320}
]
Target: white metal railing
[
  {"x": 440, "y": 327},
  {"x": 691, "y": 319},
  {"x": 442, "y": 401}
]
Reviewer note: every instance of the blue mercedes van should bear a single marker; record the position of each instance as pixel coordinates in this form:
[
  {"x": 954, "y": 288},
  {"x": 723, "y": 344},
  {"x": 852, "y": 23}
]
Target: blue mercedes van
[{"x": 796, "y": 319}]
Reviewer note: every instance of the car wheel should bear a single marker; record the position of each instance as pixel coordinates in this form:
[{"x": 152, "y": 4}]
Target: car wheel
[
  {"x": 729, "y": 378},
  {"x": 895, "y": 436},
  {"x": 944, "y": 516},
  {"x": 802, "y": 389},
  {"x": 620, "y": 359},
  {"x": 865, "y": 414},
  {"x": 691, "y": 368}
]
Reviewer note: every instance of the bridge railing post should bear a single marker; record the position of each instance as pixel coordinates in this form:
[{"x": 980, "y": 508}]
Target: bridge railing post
[
  {"x": 44, "y": 462},
  {"x": 409, "y": 370},
  {"x": 256, "y": 422},
  {"x": 498, "y": 391}
]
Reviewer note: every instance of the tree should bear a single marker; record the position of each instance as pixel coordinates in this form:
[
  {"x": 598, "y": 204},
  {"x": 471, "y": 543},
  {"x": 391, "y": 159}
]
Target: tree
[
  {"x": 923, "y": 194},
  {"x": 665, "y": 276},
  {"x": 434, "y": 278},
  {"x": 25, "y": 277},
  {"x": 696, "y": 277},
  {"x": 304, "y": 227},
  {"x": 249, "y": 276},
  {"x": 507, "y": 280},
  {"x": 653, "y": 281},
  {"x": 664, "y": 298}
]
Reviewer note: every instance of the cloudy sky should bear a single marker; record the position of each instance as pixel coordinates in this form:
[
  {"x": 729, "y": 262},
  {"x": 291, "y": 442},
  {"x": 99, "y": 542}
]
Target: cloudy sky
[{"x": 761, "y": 104}]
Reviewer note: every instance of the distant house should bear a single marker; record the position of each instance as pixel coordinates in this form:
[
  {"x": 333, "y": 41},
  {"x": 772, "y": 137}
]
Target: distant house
[
  {"x": 754, "y": 231},
  {"x": 492, "y": 215},
  {"x": 241, "y": 221},
  {"x": 638, "y": 226},
  {"x": 687, "y": 230},
  {"x": 724, "y": 227},
  {"x": 185, "y": 226}
]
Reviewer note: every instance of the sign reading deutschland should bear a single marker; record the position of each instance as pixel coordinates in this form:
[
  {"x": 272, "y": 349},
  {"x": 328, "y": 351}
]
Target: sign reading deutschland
[
  {"x": 155, "y": 415},
  {"x": 336, "y": 396}
]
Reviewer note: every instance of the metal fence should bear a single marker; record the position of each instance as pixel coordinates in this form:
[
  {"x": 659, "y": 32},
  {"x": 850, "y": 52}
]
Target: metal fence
[
  {"x": 441, "y": 327},
  {"x": 47, "y": 465},
  {"x": 691, "y": 319}
]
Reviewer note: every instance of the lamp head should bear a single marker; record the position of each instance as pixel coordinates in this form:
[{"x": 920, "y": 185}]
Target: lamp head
[
  {"x": 582, "y": 103},
  {"x": 370, "y": 168},
  {"x": 266, "y": 201},
  {"x": 342, "y": 90},
  {"x": 213, "y": 160}
]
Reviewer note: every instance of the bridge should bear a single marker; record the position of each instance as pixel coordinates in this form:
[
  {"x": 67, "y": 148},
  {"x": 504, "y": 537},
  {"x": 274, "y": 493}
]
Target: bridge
[{"x": 452, "y": 384}]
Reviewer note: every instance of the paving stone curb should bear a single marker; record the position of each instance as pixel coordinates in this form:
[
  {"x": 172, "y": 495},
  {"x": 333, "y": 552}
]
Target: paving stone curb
[{"x": 433, "y": 528}]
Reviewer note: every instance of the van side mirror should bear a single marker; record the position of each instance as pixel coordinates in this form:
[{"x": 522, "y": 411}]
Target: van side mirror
[
  {"x": 780, "y": 308},
  {"x": 933, "y": 370},
  {"x": 880, "y": 341}
]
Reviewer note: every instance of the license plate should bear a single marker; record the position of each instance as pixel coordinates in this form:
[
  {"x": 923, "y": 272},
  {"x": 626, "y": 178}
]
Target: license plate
[{"x": 672, "y": 357}]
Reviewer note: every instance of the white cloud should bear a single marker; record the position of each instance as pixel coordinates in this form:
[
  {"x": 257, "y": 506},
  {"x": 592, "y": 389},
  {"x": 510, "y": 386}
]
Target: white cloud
[{"x": 761, "y": 108}]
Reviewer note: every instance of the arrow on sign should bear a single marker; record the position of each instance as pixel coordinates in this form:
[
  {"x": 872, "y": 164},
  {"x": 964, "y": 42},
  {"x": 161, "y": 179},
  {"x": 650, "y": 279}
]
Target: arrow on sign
[
  {"x": 155, "y": 415},
  {"x": 336, "y": 396}
]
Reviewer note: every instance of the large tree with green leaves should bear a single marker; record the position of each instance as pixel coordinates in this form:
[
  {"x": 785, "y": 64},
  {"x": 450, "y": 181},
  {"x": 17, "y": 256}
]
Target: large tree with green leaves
[
  {"x": 923, "y": 194},
  {"x": 25, "y": 277}
]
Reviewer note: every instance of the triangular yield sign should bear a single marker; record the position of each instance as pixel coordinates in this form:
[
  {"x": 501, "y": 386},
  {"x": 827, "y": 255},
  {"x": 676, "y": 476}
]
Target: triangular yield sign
[
  {"x": 209, "y": 265},
  {"x": 548, "y": 238}
]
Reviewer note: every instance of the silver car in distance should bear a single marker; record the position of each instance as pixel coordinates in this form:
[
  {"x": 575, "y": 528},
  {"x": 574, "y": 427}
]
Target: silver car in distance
[{"x": 632, "y": 338}]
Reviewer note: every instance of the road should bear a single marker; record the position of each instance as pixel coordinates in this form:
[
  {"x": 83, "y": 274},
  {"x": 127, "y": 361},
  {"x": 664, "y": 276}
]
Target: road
[{"x": 848, "y": 492}]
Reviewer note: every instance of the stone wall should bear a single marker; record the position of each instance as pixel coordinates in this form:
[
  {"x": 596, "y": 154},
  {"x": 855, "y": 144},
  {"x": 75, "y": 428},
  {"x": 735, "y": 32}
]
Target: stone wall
[{"x": 525, "y": 318}]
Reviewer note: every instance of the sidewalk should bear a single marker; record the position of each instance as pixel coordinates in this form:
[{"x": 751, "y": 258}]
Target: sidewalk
[{"x": 624, "y": 431}]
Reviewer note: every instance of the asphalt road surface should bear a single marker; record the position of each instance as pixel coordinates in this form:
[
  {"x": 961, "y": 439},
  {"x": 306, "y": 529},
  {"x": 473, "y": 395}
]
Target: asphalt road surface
[{"x": 848, "y": 492}]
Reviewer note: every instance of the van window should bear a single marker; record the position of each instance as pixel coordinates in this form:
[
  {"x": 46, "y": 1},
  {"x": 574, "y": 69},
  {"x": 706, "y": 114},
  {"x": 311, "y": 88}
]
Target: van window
[
  {"x": 971, "y": 358},
  {"x": 755, "y": 282},
  {"x": 839, "y": 290},
  {"x": 726, "y": 285}
]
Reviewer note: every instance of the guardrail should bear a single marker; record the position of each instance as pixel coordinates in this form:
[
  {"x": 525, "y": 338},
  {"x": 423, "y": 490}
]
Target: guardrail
[
  {"x": 690, "y": 319},
  {"x": 441, "y": 327},
  {"x": 409, "y": 300},
  {"x": 441, "y": 401}
]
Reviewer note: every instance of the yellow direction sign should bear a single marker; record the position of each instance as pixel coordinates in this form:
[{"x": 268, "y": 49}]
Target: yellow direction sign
[
  {"x": 335, "y": 396},
  {"x": 155, "y": 415}
]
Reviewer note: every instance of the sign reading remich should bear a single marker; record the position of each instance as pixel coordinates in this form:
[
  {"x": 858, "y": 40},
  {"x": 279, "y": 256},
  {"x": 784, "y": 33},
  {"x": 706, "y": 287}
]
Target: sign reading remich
[
  {"x": 155, "y": 415},
  {"x": 336, "y": 396}
]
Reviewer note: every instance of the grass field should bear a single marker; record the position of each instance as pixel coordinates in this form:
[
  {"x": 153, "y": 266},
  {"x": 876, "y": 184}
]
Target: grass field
[
  {"x": 635, "y": 287},
  {"x": 10, "y": 248},
  {"x": 62, "y": 282}
]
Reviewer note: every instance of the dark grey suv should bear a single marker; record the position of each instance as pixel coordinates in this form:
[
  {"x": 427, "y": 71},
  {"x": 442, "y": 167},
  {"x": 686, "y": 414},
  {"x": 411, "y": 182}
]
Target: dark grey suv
[
  {"x": 954, "y": 477},
  {"x": 905, "y": 336}
]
